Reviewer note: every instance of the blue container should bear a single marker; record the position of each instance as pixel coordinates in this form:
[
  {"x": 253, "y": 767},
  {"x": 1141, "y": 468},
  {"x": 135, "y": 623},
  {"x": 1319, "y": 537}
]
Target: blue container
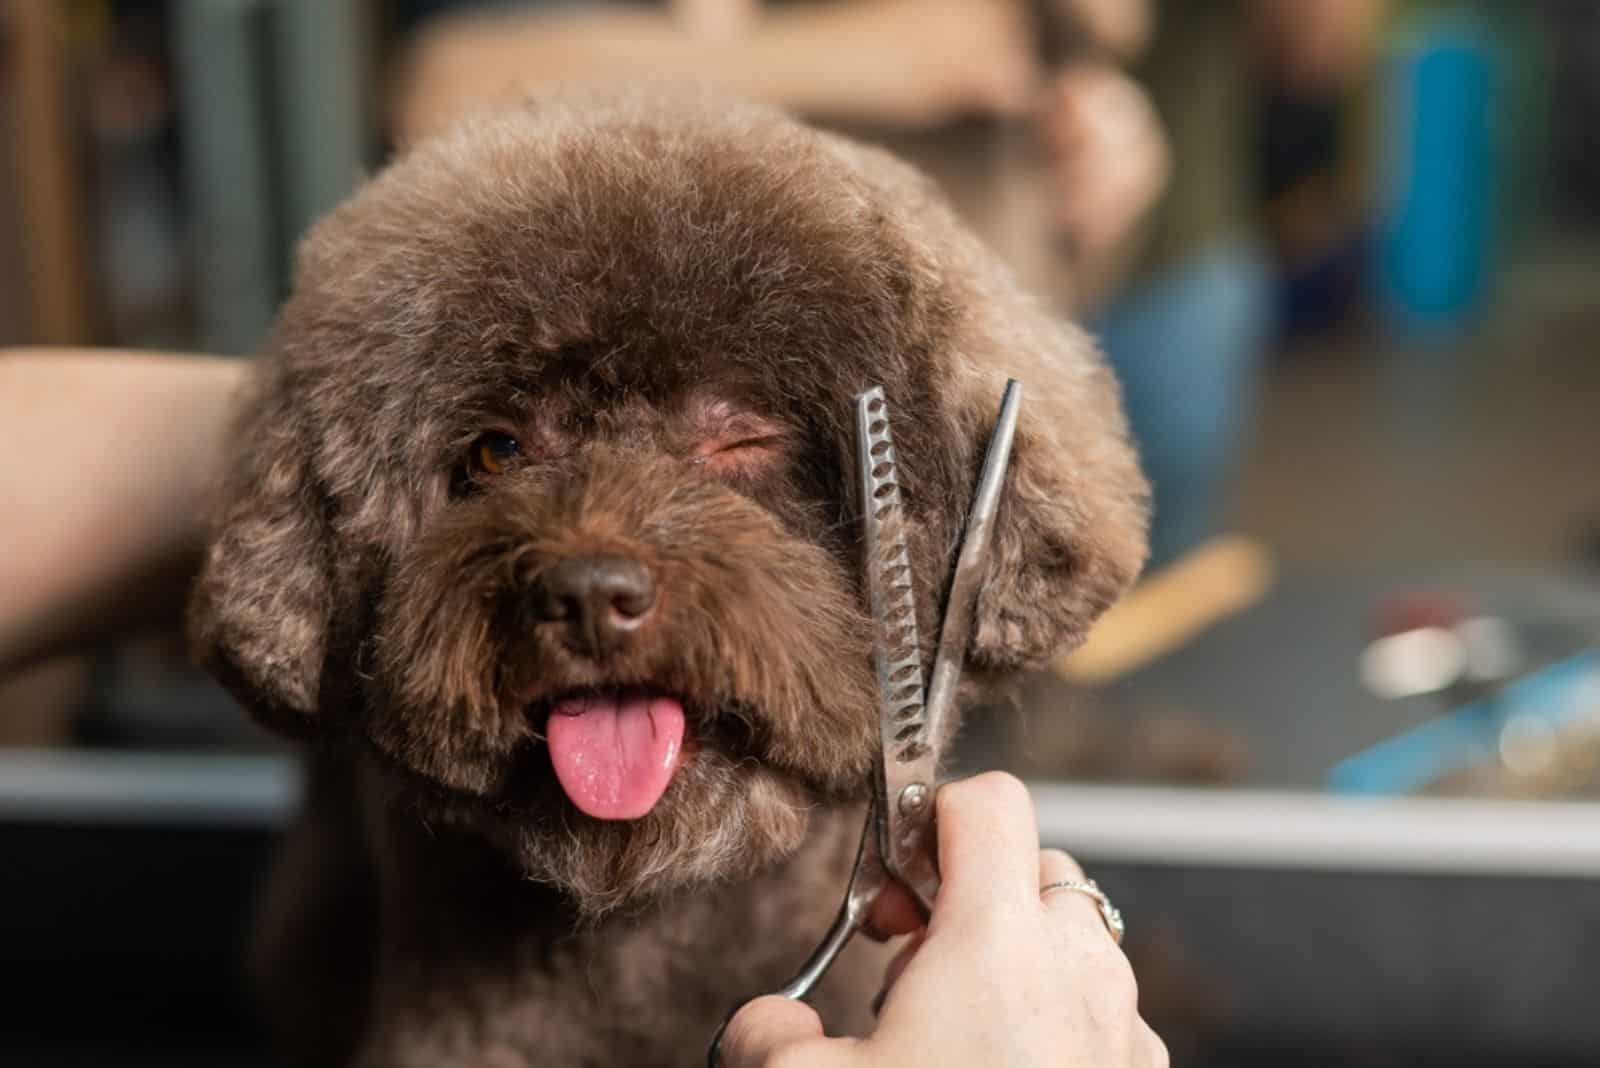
[{"x": 1436, "y": 244}]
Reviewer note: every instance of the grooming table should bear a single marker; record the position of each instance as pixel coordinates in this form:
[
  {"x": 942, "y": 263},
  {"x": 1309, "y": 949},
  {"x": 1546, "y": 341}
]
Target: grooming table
[
  {"x": 1339, "y": 930},
  {"x": 1322, "y": 929}
]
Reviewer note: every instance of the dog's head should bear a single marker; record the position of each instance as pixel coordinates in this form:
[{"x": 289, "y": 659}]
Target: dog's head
[{"x": 546, "y": 490}]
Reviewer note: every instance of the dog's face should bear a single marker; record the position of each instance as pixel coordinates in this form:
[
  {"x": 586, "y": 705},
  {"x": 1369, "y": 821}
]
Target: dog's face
[{"x": 547, "y": 492}]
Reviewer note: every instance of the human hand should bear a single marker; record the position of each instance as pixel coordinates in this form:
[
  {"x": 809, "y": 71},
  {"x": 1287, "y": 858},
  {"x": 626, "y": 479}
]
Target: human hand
[
  {"x": 1109, "y": 156},
  {"x": 999, "y": 976},
  {"x": 1318, "y": 45},
  {"x": 1120, "y": 26}
]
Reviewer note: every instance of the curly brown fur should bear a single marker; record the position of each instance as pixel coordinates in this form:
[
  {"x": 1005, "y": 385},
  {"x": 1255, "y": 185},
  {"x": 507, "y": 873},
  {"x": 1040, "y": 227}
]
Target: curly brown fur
[{"x": 670, "y": 300}]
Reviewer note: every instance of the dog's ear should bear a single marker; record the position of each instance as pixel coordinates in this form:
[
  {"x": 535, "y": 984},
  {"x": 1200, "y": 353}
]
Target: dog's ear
[
  {"x": 260, "y": 612},
  {"x": 1070, "y": 535}
]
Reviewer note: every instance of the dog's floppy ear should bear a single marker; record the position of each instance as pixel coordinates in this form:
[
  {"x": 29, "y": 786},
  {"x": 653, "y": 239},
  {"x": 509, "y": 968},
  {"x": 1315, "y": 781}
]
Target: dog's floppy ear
[
  {"x": 1070, "y": 535},
  {"x": 260, "y": 612}
]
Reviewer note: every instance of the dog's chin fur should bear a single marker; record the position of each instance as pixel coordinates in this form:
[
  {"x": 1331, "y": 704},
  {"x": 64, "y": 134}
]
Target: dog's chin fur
[{"x": 720, "y": 821}]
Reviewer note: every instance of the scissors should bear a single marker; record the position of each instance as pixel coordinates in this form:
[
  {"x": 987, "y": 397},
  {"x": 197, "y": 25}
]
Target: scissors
[{"x": 898, "y": 842}]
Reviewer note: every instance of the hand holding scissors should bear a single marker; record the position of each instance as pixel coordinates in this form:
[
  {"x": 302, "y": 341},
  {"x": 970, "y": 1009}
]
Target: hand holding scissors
[
  {"x": 899, "y": 843},
  {"x": 1006, "y": 972}
]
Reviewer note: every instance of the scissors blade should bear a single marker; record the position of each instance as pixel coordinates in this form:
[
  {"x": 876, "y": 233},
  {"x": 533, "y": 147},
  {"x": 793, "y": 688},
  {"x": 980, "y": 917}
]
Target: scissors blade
[
  {"x": 915, "y": 724},
  {"x": 909, "y": 761},
  {"x": 956, "y": 629},
  {"x": 898, "y": 839}
]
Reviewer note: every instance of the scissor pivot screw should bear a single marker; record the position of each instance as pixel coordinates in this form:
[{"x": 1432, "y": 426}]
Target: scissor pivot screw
[{"x": 913, "y": 799}]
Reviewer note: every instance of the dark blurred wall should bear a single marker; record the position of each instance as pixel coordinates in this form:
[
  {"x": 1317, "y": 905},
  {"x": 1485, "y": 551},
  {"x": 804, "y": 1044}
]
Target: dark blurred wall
[{"x": 1573, "y": 38}]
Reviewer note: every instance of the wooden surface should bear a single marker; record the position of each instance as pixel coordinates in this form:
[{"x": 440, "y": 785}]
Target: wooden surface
[
  {"x": 48, "y": 176},
  {"x": 1171, "y": 607}
]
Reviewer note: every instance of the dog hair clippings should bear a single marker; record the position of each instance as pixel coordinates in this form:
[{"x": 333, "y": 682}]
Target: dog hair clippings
[{"x": 898, "y": 842}]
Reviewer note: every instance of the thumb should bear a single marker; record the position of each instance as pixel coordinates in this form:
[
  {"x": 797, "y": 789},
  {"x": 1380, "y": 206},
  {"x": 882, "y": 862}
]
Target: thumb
[{"x": 763, "y": 1027}]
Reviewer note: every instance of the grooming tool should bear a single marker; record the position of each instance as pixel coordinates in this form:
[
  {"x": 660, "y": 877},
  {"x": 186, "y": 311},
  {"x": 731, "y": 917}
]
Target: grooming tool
[
  {"x": 1521, "y": 697},
  {"x": 1474, "y": 734},
  {"x": 898, "y": 842}
]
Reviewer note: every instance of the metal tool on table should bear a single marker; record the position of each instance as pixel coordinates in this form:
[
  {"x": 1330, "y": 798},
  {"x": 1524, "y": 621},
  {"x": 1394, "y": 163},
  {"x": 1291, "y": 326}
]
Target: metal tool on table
[
  {"x": 1521, "y": 698},
  {"x": 898, "y": 842}
]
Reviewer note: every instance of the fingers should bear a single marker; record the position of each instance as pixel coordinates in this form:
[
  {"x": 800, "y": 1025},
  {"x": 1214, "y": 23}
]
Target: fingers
[
  {"x": 988, "y": 845},
  {"x": 1109, "y": 153},
  {"x": 1057, "y": 867},
  {"x": 999, "y": 976},
  {"x": 895, "y": 912},
  {"x": 897, "y": 967},
  {"x": 1073, "y": 907},
  {"x": 1149, "y": 1050},
  {"x": 903, "y": 958},
  {"x": 763, "y": 1027},
  {"x": 1122, "y": 26}
]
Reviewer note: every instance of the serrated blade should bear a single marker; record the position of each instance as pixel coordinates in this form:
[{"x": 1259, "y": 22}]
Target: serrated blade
[{"x": 906, "y": 771}]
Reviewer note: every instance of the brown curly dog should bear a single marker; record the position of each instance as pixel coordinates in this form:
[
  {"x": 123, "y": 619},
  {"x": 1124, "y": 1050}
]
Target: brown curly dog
[{"x": 541, "y": 528}]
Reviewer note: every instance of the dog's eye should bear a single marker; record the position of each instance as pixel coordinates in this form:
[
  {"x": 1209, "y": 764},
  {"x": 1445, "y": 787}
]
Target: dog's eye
[
  {"x": 742, "y": 456},
  {"x": 750, "y": 445},
  {"x": 492, "y": 452}
]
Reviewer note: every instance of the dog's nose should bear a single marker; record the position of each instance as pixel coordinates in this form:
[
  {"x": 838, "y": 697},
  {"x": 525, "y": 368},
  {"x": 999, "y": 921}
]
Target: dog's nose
[{"x": 597, "y": 600}]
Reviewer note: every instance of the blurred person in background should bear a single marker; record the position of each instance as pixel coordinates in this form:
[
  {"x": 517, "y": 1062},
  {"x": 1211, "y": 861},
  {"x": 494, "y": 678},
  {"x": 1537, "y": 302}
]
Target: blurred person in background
[
  {"x": 119, "y": 508},
  {"x": 1141, "y": 220},
  {"x": 1189, "y": 328},
  {"x": 115, "y": 518},
  {"x": 1051, "y": 153},
  {"x": 1315, "y": 125}
]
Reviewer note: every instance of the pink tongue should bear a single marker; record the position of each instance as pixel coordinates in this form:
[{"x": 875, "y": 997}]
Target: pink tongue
[{"x": 615, "y": 755}]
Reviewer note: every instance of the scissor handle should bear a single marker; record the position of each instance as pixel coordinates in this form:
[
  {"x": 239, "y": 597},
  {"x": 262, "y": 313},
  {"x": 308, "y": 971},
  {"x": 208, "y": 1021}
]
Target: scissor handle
[
  {"x": 845, "y": 925},
  {"x": 867, "y": 878}
]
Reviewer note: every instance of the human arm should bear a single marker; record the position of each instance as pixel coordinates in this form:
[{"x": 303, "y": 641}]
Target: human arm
[
  {"x": 899, "y": 62},
  {"x": 107, "y": 463}
]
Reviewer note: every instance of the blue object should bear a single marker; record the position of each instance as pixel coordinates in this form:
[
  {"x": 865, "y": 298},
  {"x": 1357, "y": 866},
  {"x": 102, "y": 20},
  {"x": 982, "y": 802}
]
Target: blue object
[
  {"x": 1187, "y": 347},
  {"x": 1436, "y": 243},
  {"x": 1470, "y": 735}
]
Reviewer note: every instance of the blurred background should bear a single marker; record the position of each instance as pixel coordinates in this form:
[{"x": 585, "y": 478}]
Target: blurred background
[{"x": 1334, "y": 757}]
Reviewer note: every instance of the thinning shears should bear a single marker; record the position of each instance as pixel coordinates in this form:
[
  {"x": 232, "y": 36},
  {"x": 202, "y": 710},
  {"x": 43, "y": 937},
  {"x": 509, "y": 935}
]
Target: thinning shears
[{"x": 898, "y": 842}]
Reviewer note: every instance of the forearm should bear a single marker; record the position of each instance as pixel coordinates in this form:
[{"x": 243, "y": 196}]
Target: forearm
[
  {"x": 841, "y": 61},
  {"x": 107, "y": 461},
  {"x": 852, "y": 61}
]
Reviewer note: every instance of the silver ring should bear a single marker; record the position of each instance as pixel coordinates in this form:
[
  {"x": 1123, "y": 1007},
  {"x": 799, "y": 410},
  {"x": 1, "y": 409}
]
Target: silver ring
[{"x": 1088, "y": 887}]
